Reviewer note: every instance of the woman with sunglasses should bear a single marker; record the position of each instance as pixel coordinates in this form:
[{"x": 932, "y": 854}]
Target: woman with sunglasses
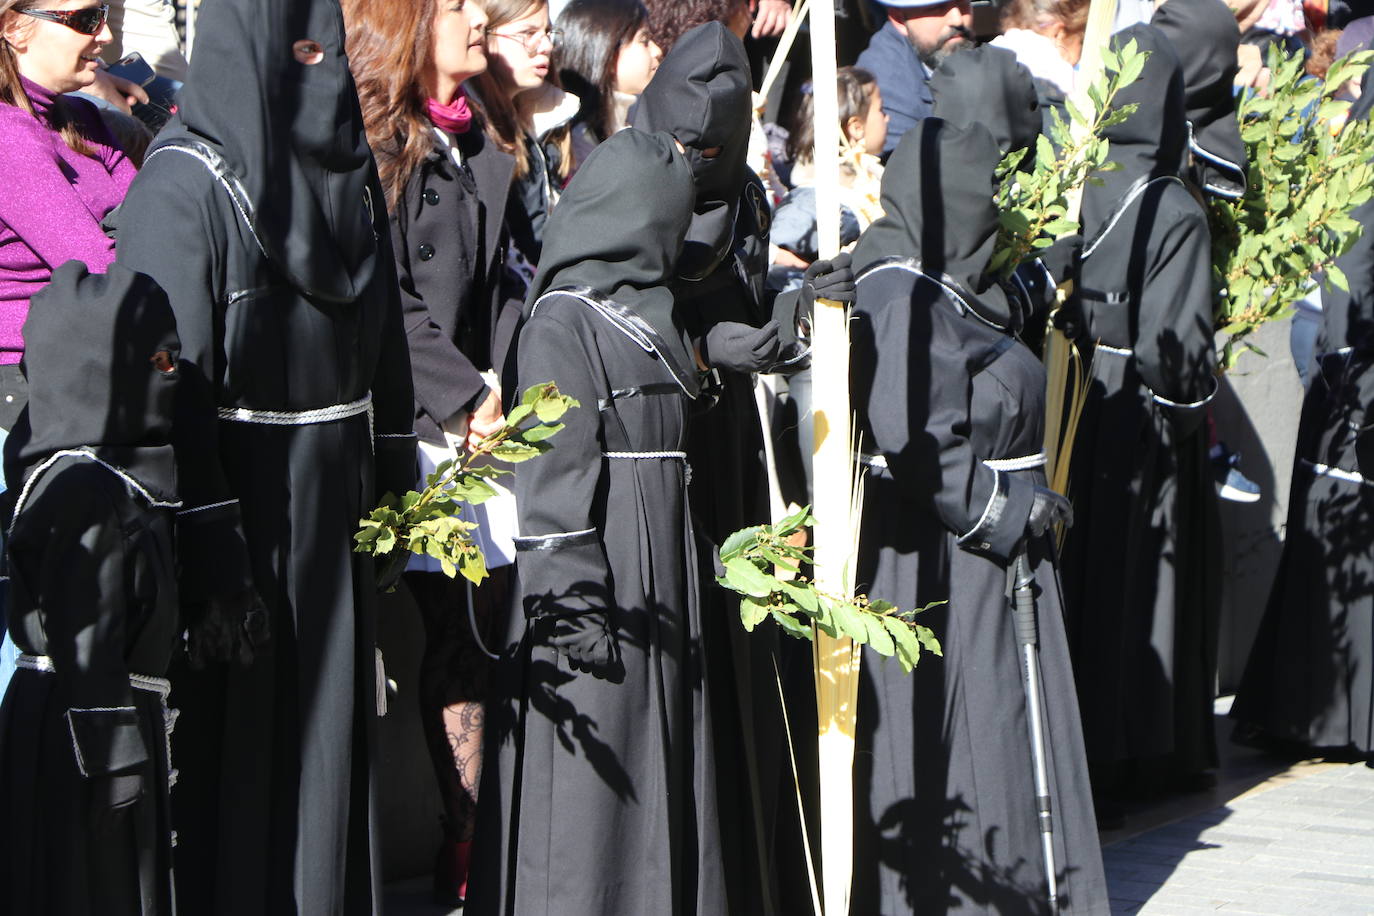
[
  {"x": 446, "y": 187},
  {"x": 61, "y": 171},
  {"x": 528, "y": 113}
]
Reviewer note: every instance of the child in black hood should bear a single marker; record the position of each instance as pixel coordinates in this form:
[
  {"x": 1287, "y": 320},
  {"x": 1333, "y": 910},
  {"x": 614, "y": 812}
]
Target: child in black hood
[{"x": 84, "y": 727}]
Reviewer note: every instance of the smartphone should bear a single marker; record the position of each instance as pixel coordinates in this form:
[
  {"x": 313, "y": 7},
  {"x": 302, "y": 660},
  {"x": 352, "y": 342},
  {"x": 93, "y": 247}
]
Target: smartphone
[{"x": 134, "y": 69}]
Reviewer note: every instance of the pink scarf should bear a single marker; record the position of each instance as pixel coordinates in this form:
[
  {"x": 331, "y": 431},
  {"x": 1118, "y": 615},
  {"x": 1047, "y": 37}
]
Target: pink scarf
[{"x": 455, "y": 117}]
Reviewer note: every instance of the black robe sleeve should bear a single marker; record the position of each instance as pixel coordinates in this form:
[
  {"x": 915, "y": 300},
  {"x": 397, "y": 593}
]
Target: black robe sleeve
[
  {"x": 68, "y": 552},
  {"x": 1173, "y": 344},
  {"x": 176, "y": 234},
  {"x": 920, "y": 413},
  {"x": 561, "y": 560}
]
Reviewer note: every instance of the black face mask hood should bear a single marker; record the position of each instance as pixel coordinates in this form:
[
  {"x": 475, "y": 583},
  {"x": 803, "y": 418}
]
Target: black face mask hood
[
  {"x": 1151, "y": 142},
  {"x": 618, "y": 229},
  {"x": 988, "y": 86},
  {"x": 939, "y": 208},
  {"x": 90, "y": 348},
  {"x": 701, "y": 95},
  {"x": 292, "y": 136},
  {"x": 1204, "y": 34}
]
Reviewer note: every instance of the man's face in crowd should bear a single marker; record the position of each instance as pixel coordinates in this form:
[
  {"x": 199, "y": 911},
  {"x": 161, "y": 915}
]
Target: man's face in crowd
[{"x": 935, "y": 31}]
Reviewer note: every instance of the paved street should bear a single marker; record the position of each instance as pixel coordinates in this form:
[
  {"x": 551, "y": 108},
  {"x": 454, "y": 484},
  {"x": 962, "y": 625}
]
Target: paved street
[
  {"x": 1274, "y": 837},
  {"x": 1302, "y": 842}
]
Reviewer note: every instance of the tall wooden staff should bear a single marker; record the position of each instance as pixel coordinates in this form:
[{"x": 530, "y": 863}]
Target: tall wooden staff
[{"x": 836, "y": 495}]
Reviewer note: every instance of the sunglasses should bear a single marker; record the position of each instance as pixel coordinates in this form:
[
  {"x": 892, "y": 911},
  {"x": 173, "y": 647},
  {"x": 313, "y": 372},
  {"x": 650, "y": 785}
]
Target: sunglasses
[{"x": 87, "y": 21}]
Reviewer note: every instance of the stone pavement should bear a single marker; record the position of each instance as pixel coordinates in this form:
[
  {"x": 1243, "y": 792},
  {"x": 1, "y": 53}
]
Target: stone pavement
[
  {"x": 1299, "y": 843},
  {"x": 1273, "y": 837}
]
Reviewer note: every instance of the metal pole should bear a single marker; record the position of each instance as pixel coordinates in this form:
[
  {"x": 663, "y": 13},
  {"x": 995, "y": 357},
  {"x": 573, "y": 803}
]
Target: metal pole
[{"x": 1027, "y": 637}]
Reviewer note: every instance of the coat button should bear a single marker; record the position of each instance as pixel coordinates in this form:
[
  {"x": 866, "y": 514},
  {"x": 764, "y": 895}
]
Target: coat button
[
  {"x": 431, "y": 196},
  {"x": 426, "y": 251}
]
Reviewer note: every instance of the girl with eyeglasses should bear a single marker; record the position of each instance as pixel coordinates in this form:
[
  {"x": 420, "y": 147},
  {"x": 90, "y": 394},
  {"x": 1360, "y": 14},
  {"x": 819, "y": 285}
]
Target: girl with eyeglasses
[
  {"x": 447, "y": 186},
  {"x": 529, "y": 114},
  {"x": 606, "y": 58},
  {"x": 61, "y": 171}
]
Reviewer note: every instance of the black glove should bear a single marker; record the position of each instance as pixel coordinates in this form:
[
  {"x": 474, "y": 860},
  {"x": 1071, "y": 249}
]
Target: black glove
[
  {"x": 741, "y": 347},
  {"x": 833, "y": 280},
  {"x": 227, "y": 629},
  {"x": 1062, "y": 258},
  {"x": 585, "y": 640},
  {"x": 1048, "y": 509}
]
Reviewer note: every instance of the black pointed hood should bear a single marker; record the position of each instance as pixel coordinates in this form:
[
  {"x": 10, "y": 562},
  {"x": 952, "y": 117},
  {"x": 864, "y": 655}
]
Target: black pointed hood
[
  {"x": 701, "y": 95},
  {"x": 1150, "y": 143},
  {"x": 1205, "y": 37},
  {"x": 988, "y": 85},
  {"x": 939, "y": 208},
  {"x": 90, "y": 342},
  {"x": 618, "y": 230},
  {"x": 291, "y": 134}
]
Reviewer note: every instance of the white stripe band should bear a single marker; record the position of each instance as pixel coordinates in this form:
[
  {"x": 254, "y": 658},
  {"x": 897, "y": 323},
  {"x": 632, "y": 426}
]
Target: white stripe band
[
  {"x": 669, "y": 456},
  {"x": 1325, "y": 470},
  {"x": 44, "y": 664},
  {"x": 1024, "y": 463},
  {"x": 1115, "y": 351},
  {"x": 298, "y": 417}
]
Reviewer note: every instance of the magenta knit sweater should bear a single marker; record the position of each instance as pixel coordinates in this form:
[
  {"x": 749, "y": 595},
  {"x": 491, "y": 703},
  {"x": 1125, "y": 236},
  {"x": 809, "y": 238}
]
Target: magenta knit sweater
[{"x": 51, "y": 204}]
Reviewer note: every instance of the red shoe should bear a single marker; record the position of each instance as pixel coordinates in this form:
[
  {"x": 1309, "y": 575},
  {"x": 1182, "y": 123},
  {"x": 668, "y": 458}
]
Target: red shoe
[{"x": 451, "y": 872}]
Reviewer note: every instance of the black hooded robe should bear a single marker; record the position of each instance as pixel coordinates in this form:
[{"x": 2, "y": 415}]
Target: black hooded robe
[
  {"x": 93, "y": 606},
  {"x": 1141, "y": 566},
  {"x": 260, "y": 213},
  {"x": 950, "y": 406},
  {"x": 1310, "y": 675},
  {"x": 597, "y": 794},
  {"x": 701, "y": 95}
]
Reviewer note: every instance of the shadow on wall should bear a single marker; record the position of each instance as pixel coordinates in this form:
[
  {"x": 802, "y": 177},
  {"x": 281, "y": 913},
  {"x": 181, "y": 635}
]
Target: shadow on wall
[{"x": 1256, "y": 411}]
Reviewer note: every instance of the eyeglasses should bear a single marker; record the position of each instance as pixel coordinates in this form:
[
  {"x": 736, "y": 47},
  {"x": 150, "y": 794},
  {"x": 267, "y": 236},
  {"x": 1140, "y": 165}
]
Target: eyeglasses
[
  {"x": 87, "y": 21},
  {"x": 530, "y": 40}
]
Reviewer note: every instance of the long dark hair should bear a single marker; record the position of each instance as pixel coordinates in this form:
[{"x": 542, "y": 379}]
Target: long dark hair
[
  {"x": 594, "y": 31},
  {"x": 12, "y": 90}
]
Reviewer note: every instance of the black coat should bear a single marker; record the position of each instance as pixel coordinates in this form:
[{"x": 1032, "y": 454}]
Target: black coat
[
  {"x": 460, "y": 309},
  {"x": 83, "y": 753},
  {"x": 274, "y": 802}
]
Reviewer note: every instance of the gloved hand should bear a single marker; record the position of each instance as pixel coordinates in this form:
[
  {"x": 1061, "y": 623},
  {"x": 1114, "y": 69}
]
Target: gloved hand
[
  {"x": 1048, "y": 509},
  {"x": 833, "y": 280},
  {"x": 741, "y": 347},
  {"x": 227, "y": 629},
  {"x": 1063, "y": 257},
  {"x": 585, "y": 640}
]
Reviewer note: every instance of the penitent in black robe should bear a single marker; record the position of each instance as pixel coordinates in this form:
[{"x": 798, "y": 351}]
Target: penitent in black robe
[
  {"x": 1141, "y": 566},
  {"x": 1310, "y": 675},
  {"x": 84, "y": 770},
  {"x": 950, "y": 407},
  {"x": 279, "y": 268},
  {"x": 598, "y": 793},
  {"x": 701, "y": 95}
]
